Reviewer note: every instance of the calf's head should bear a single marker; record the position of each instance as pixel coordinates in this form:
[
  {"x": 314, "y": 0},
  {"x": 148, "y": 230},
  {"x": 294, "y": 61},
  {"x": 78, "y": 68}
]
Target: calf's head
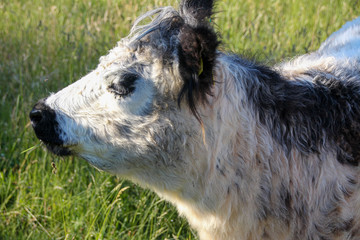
[{"x": 125, "y": 116}]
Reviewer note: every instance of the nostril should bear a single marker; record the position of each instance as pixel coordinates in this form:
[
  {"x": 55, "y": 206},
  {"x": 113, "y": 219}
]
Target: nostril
[{"x": 36, "y": 116}]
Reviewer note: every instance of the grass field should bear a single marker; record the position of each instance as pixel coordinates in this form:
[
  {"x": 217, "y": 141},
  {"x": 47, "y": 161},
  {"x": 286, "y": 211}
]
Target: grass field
[{"x": 47, "y": 44}]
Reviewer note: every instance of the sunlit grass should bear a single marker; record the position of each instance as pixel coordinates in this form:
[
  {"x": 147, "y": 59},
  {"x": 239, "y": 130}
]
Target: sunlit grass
[{"x": 45, "y": 45}]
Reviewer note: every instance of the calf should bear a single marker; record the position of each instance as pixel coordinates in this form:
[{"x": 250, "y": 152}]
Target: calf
[{"x": 244, "y": 151}]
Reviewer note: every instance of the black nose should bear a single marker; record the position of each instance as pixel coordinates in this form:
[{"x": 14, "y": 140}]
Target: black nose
[
  {"x": 40, "y": 114},
  {"x": 43, "y": 120},
  {"x": 36, "y": 115}
]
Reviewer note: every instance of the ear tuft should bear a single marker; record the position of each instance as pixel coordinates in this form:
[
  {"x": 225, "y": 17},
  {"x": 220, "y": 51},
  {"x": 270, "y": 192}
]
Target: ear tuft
[{"x": 195, "y": 12}]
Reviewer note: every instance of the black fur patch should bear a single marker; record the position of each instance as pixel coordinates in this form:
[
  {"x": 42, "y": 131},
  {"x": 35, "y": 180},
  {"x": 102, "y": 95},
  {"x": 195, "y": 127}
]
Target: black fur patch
[
  {"x": 197, "y": 54},
  {"x": 306, "y": 115}
]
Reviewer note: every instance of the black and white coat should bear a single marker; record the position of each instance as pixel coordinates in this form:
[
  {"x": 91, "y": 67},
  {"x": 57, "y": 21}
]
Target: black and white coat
[{"x": 244, "y": 151}]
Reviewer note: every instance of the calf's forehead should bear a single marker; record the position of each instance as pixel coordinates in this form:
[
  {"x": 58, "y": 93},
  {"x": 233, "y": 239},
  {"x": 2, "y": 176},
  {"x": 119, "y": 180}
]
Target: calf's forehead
[
  {"x": 133, "y": 56},
  {"x": 120, "y": 56}
]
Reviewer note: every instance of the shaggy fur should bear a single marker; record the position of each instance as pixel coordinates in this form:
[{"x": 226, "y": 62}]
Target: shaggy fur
[{"x": 244, "y": 151}]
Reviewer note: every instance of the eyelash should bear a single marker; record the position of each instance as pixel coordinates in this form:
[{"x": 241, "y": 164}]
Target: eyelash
[{"x": 125, "y": 87}]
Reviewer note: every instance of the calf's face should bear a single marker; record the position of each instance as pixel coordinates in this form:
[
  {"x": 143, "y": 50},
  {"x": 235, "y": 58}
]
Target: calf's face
[{"x": 119, "y": 117}]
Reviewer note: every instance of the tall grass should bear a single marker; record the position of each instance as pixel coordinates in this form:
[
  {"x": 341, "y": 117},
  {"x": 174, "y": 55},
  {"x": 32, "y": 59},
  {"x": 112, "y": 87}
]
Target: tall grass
[{"x": 47, "y": 44}]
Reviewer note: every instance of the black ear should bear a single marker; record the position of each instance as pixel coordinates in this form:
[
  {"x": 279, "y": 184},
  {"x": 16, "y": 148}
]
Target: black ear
[{"x": 197, "y": 52}]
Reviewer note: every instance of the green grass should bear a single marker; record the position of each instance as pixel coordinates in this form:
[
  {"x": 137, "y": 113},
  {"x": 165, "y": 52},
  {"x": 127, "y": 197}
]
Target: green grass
[{"x": 47, "y": 44}]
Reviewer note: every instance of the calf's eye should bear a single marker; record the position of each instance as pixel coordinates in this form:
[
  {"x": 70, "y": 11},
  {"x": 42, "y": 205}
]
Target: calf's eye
[{"x": 125, "y": 86}]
